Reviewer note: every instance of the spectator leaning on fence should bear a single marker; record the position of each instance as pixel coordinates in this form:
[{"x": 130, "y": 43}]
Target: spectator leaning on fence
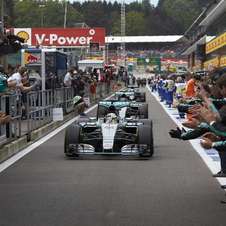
[
  {"x": 18, "y": 79},
  {"x": 5, "y": 85},
  {"x": 4, "y": 119}
]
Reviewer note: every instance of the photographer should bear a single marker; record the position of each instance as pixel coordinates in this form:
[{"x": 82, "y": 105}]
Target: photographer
[{"x": 6, "y": 23}]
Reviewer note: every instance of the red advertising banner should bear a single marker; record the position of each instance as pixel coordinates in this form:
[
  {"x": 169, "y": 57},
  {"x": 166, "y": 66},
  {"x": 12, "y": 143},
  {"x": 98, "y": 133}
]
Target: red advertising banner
[
  {"x": 61, "y": 36},
  {"x": 67, "y": 36}
]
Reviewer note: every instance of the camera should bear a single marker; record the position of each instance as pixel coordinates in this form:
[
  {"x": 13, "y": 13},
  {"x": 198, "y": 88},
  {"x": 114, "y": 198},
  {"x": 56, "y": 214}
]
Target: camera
[
  {"x": 18, "y": 38},
  {"x": 10, "y": 46}
]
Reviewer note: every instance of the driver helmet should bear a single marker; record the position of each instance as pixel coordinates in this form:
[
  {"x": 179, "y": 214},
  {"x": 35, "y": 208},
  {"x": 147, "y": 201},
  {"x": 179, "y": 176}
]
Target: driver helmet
[{"x": 111, "y": 118}]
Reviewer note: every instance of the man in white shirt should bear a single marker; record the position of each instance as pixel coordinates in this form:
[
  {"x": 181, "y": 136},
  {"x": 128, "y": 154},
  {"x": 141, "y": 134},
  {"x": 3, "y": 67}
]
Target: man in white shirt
[
  {"x": 68, "y": 77},
  {"x": 18, "y": 79}
]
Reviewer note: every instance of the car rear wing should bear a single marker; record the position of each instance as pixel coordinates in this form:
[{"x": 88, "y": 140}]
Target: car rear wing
[
  {"x": 126, "y": 93},
  {"x": 132, "y": 86}
]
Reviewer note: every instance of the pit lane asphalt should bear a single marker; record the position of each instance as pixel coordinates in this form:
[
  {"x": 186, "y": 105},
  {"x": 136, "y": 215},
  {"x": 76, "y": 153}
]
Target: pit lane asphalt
[{"x": 174, "y": 187}]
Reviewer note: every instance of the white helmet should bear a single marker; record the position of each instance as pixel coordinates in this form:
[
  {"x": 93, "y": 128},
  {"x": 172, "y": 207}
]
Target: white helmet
[{"x": 111, "y": 117}]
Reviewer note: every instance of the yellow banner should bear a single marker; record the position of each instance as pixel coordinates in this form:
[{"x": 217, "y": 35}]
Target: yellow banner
[
  {"x": 197, "y": 67},
  {"x": 213, "y": 61},
  {"x": 216, "y": 43},
  {"x": 223, "y": 61}
]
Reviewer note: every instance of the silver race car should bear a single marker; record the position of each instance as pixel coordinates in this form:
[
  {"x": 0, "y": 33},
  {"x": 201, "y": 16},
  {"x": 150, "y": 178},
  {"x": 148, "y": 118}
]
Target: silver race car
[
  {"x": 131, "y": 94},
  {"x": 109, "y": 135},
  {"x": 125, "y": 109}
]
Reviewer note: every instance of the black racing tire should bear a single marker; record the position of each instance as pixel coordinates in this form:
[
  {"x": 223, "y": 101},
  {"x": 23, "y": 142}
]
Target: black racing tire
[
  {"x": 72, "y": 136},
  {"x": 146, "y": 121},
  {"x": 101, "y": 112},
  {"x": 145, "y": 136},
  {"x": 144, "y": 110},
  {"x": 81, "y": 120},
  {"x": 143, "y": 97}
]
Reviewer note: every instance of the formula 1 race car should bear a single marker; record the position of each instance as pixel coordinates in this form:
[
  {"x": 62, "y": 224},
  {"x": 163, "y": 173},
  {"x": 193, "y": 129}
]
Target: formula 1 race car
[
  {"x": 124, "y": 109},
  {"x": 131, "y": 94},
  {"x": 109, "y": 135}
]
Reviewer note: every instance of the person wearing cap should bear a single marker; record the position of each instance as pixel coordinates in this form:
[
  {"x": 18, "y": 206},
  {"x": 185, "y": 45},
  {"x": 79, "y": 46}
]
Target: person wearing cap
[
  {"x": 79, "y": 104},
  {"x": 74, "y": 81},
  {"x": 179, "y": 92},
  {"x": 68, "y": 77}
]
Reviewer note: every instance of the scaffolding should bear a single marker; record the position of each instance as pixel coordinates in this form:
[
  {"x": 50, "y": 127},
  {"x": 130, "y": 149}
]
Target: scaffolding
[{"x": 123, "y": 21}]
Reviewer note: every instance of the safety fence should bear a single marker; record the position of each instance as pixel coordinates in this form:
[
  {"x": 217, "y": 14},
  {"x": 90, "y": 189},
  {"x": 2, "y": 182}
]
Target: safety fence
[{"x": 40, "y": 108}]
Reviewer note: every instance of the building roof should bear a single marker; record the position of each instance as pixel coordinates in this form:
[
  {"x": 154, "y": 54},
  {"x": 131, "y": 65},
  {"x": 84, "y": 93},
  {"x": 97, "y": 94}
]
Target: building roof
[{"x": 142, "y": 39}]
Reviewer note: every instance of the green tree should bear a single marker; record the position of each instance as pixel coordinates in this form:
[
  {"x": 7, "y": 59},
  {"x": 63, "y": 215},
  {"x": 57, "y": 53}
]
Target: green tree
[
  {"x": 146, "y": 8},
  {"x": 27, "y": 14},
  {"x": 134, "y": 24},
  {"x": 182, "y": 11},
  {"x": 73, "y": 16},
  {"x": 95, "y": 15},
  {"x": 110, "y": 23},
  {"x": 8, "y": 9}
]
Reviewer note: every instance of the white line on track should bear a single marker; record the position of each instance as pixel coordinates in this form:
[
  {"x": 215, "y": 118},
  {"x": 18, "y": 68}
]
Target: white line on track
[
  {"x": 195, "y": 143},
  {"x": 25, "y": 151}
]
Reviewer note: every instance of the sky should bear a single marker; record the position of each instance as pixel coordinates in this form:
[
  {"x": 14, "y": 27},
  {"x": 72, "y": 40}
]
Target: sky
[{"x": 153, "y": 2}]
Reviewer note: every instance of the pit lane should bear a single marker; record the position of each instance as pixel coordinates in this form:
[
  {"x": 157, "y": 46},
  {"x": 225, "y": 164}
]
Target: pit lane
[{"x": 174, "y": 187}]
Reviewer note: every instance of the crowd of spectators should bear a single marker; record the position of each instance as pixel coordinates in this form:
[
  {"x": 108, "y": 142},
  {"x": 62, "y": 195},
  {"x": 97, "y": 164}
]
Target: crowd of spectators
[{"x": 202, "y": 98}]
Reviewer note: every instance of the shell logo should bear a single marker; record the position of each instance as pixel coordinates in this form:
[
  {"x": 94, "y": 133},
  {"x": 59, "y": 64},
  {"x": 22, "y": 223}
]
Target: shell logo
[{"x": 23, "y": 34}]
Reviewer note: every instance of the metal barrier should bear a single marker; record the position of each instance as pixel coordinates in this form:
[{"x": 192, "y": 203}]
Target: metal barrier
[{"x": 39, "y": 108}]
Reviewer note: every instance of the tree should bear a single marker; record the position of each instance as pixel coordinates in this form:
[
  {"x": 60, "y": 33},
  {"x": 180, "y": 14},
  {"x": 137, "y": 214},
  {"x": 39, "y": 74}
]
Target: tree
[
  {"x": 134, "y": 24},
  {"x": 146, "y": 8},
  {"x": 8, "y": 9},
  {"x": 182, "y": 11},
  {"x": 95, "y": 15},
  {"x": 27, "y": 14},
  {"x": 73, "y": 16},
  {"x": 110, "y": 23}
]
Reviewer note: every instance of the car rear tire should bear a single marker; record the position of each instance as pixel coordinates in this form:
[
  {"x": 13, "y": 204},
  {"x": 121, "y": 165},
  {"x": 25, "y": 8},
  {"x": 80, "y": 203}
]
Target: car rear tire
[
  {"x": 72, "y": 136},
  {"x": 144, "y": 110},
  {"x": 143, "y": 97},
  {"x": 101, "y": 112},
  {"x": 145, "y": 136}
]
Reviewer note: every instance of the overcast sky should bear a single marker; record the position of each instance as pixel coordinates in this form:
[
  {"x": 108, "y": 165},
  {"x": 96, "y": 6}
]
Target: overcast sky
[{"x": 153, "y": 2}]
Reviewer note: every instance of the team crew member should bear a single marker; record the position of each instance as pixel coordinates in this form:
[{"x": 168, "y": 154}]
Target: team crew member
[
  {"x": 180, "y": 92},
  {"x": 82, "y": 82},
  {"x": 79, "y": 103},
  {"x": 189, "y": 89}
]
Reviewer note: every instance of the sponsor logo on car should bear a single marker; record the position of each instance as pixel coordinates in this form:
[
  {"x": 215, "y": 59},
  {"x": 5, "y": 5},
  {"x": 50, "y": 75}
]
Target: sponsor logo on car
[
  {"x": 122, "y": 103},
  {"x": 105, "y": 103}
]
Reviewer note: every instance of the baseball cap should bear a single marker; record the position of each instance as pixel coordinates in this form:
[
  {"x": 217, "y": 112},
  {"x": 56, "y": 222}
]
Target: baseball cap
[{"x": 75, "y": 72}]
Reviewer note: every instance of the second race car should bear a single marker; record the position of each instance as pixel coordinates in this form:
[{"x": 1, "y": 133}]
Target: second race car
[
  {"x": 132, "y": 94},
  {"x": 124, "y": 109}
]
